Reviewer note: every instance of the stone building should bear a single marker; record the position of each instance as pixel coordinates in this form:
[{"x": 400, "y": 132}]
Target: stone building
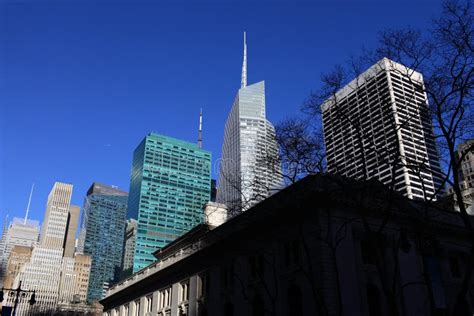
[
  {"x": 465, "y": 156},
  {"x": 323, "y": 246},
  {"x": 19, "y": 256}
]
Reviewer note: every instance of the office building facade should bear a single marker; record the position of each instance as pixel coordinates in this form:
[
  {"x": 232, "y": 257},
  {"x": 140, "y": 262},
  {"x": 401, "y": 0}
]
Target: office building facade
[
  {"x": 465, "y": 156},
  {"x": 378, "y": 126},
  {"x": 129, "y": 245},
  {"x": 170, "y": 183},
  {"x": 249, "y": 166},
  {"x": 102, "y": 235},
  {"x": 19, "y": 256},
  {"x": 20, "y": 232},
  {"x": 51, "y": 271}
]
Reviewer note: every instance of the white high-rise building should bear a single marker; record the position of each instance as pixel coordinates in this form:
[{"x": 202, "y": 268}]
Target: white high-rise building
[
  {"x": 249, "y": 167},
  {"x": 21, "y": 232},
  {"x": 52, "y": 271},
  {"x": 378, "y": 126}
]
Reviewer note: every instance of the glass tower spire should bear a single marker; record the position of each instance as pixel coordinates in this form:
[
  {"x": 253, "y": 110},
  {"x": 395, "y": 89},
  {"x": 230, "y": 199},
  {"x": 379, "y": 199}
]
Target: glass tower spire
[{"x": 249, "y": 168}]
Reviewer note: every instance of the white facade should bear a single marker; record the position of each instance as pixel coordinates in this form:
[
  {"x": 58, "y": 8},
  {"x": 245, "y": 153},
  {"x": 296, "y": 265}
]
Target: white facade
[
  {"x": 378, "y": 126},
  {"x": 56, "y": 218},
  {"x": 50, "y": 273},
  {"x": 249, "y": 167},
  {"x": 20, "y": 232}
]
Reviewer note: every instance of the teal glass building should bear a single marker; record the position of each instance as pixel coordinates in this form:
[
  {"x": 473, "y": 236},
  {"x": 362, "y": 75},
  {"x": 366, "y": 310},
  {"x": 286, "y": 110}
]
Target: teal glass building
[
  {"x": 170, "y": 184},
  {"x": 102, "y": 235}
]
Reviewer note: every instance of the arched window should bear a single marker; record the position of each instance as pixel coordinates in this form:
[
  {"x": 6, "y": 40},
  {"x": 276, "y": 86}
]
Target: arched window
[
  {"x": 258, "y": 306},
  {"x": 373, "y": 300},
  {"x": 295, "y": 300}
]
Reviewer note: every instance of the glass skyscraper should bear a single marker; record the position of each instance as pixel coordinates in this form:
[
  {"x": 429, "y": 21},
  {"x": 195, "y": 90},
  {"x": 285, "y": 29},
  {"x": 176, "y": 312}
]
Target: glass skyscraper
[
  {"x": 102, "y": 235},
  {"x": 170, "y": 183},
  {"x": 250, "y": 168}
]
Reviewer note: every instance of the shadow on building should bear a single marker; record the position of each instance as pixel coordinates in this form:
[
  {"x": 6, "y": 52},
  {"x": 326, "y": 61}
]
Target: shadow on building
[{"x": 325, "y": 245}]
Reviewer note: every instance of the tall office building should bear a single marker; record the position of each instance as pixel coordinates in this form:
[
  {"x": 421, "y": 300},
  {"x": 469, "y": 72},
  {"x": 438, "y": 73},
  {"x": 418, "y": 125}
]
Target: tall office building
[
  {"x": 51, "y": 269},
  {"x": 102, "y": 233},
  {"x": 129, "y": 246},
  {"x": 170, "y": 183},
  {"x": 2, "y": 244},
  {"x": 378, "y": 126},
  {"x": 20, "y": 232},
  {"x": 250, "y": 168},
  {"x": 465, "y": 154}
]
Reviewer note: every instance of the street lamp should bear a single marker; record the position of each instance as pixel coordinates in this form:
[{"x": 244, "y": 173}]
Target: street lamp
[{"x": 19, "y": 294}]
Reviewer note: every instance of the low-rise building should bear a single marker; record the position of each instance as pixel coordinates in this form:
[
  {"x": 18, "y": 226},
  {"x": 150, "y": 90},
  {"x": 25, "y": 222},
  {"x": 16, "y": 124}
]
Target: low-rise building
[
  {"x": 19, "y": 256},
  {"x": 325, "y": 245}
]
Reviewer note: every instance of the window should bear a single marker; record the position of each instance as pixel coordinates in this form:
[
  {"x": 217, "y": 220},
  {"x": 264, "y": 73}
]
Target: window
[
  {"x": 257, "y": 266},
  {"x": 432, "y": 270},
  {"x": 149, "y": 303},
  {"x": 227, "y": 275},
  {"x": 292, "y": 253},
  {"x": 136, "y": 310},
  {"x": 165, "y": 298},
  {"x": 184, "y": 291},
  {"x": 367, "y": 252},
  {"x": 455, "y": 267},
  {"x": 204, "y": 285}
]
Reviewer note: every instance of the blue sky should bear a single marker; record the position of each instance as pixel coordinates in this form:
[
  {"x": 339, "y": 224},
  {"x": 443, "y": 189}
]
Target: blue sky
[{"x": 82, "y": 82}]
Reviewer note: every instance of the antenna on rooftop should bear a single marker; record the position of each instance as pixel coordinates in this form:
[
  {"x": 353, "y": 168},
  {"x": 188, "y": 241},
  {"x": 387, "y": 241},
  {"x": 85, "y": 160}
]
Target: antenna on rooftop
[
  {"x": 29, "y": 202},
  {"x": 243, "y": 82},
  {"x": 200, "y": 130}
]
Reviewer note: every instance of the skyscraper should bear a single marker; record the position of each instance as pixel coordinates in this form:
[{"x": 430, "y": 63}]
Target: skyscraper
[
  {"x": 102, "y": 233},
  {"x": 465, "y": 156},
  {"x": 249, "y": 168},
  {"x": 21, "y": 232},
  {"x": 170, "y": 184},
  {"x": 378, "y": 126},
  {"x": 52, "y": 269},
  {"x": 129, "y": 246}
]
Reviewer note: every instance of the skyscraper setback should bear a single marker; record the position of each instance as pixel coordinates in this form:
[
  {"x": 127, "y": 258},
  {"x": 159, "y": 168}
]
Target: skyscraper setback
[
  {"x": 378, "y": 126},
  {"x": 170, "y": 184},
  {"x": 249, "y": 168},
  {"x": 102, "y": 235}
]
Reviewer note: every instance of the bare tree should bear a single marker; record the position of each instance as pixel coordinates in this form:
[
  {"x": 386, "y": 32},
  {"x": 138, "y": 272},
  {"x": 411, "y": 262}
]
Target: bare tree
[{"x": 445, "y": 58}]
